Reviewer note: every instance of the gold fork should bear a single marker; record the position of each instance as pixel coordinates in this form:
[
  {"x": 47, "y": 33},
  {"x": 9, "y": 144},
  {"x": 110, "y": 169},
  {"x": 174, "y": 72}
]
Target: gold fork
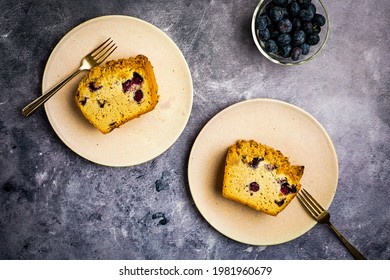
[
  {"x": 322, "y": 216},
  {"x": 92, "y": 59}
]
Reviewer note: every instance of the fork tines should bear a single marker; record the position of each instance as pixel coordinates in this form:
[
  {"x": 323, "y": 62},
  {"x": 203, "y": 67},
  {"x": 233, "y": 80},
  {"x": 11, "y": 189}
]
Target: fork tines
[
  {"x": 103, "y": 51},
  {"x": 310, "y": 203}
]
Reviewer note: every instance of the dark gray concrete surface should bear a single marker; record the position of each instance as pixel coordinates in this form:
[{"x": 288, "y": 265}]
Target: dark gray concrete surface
[{"x": 56, "y": 205}]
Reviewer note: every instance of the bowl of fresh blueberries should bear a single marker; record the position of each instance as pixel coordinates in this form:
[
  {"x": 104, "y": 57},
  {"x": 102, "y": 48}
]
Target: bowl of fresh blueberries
[{"x": 290, "y": 32}]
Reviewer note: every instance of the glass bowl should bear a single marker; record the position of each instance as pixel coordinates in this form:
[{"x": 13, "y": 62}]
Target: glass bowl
[{"x": 277, "y": 57}]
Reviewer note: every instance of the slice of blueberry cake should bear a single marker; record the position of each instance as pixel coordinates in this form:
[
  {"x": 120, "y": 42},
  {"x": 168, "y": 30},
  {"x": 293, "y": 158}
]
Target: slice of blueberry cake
[
  {"x": 260, "y": 177},
  {"x": 117, "y": 92}
]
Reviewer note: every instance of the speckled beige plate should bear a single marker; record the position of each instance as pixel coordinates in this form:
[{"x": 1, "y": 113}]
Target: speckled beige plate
[
  {"x": 141, "y": 139},
  {"x": 280, "y": 125}
]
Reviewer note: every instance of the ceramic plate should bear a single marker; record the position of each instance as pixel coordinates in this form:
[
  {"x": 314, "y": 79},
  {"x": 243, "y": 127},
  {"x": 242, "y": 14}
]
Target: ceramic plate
[
  {"x": 141, "y": 139},
  {"x": 277, "y": 124}
]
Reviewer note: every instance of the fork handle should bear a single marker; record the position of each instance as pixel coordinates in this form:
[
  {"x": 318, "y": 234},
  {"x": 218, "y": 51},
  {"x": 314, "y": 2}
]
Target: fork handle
[
  {"x": 30, "y": 108},
  {"x": 355, "y": 253}
]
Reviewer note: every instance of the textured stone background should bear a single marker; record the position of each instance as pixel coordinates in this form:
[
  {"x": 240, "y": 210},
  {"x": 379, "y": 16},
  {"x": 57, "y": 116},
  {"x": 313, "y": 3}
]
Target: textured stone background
[{"x": 57, "y": 205}]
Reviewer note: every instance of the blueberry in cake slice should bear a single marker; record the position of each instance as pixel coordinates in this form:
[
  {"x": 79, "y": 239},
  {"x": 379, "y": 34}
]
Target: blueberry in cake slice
[
  {"x": 117, "y": 92},
  {"x": 260, "y": 177}
]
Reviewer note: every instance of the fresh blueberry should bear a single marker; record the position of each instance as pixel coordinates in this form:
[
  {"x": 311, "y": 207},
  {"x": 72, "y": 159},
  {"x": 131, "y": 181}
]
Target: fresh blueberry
[
  {"x": 305, "y": 48},
  {"x": 299, "y": 37},
  {"x": 285, "y": 51},
  {"x": 306, "y": 15},
  {"x": 307, "y": 27},
  {"x": 285, "y": 11},
  {"x": 295, "y": 53},
  {"x": 304, "y": 3},
  {"x": 264, "y": 35},
  {"x": 282, "y": 3},
  {"x": 296, "y": 24},
  {"x": 269, "y": 21},
  {"x": 313, "y": 39},
  {"x": 283, "y": 39},
  {"x": 274, "y": 31},
  {"x": 319, "y": 20},
  {"x": 276, "y": 13},
  {"x": 269, "y": 7},
  {"x": 270, "y": 46},
  {"x": 261, "y": 22},
  {"x": 294, "y": 9},
  {"x": 312, "y": 8},
  {"x": 285, "y": 25},
  {"x": 254, "y": 187},
  {"x": 316, "y": 29}
]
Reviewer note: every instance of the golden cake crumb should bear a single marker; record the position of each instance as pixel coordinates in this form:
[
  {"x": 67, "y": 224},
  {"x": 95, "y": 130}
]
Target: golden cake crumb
[
  {"x": 121, "y": 90},
  {"x": 260, "y": 177}
]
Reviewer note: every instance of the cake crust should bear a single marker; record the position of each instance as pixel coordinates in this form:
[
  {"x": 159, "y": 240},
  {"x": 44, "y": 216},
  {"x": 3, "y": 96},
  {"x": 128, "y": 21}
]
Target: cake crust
[
  {"x": 260, "y": 177},
  {"x": 121, "y": 90}
]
